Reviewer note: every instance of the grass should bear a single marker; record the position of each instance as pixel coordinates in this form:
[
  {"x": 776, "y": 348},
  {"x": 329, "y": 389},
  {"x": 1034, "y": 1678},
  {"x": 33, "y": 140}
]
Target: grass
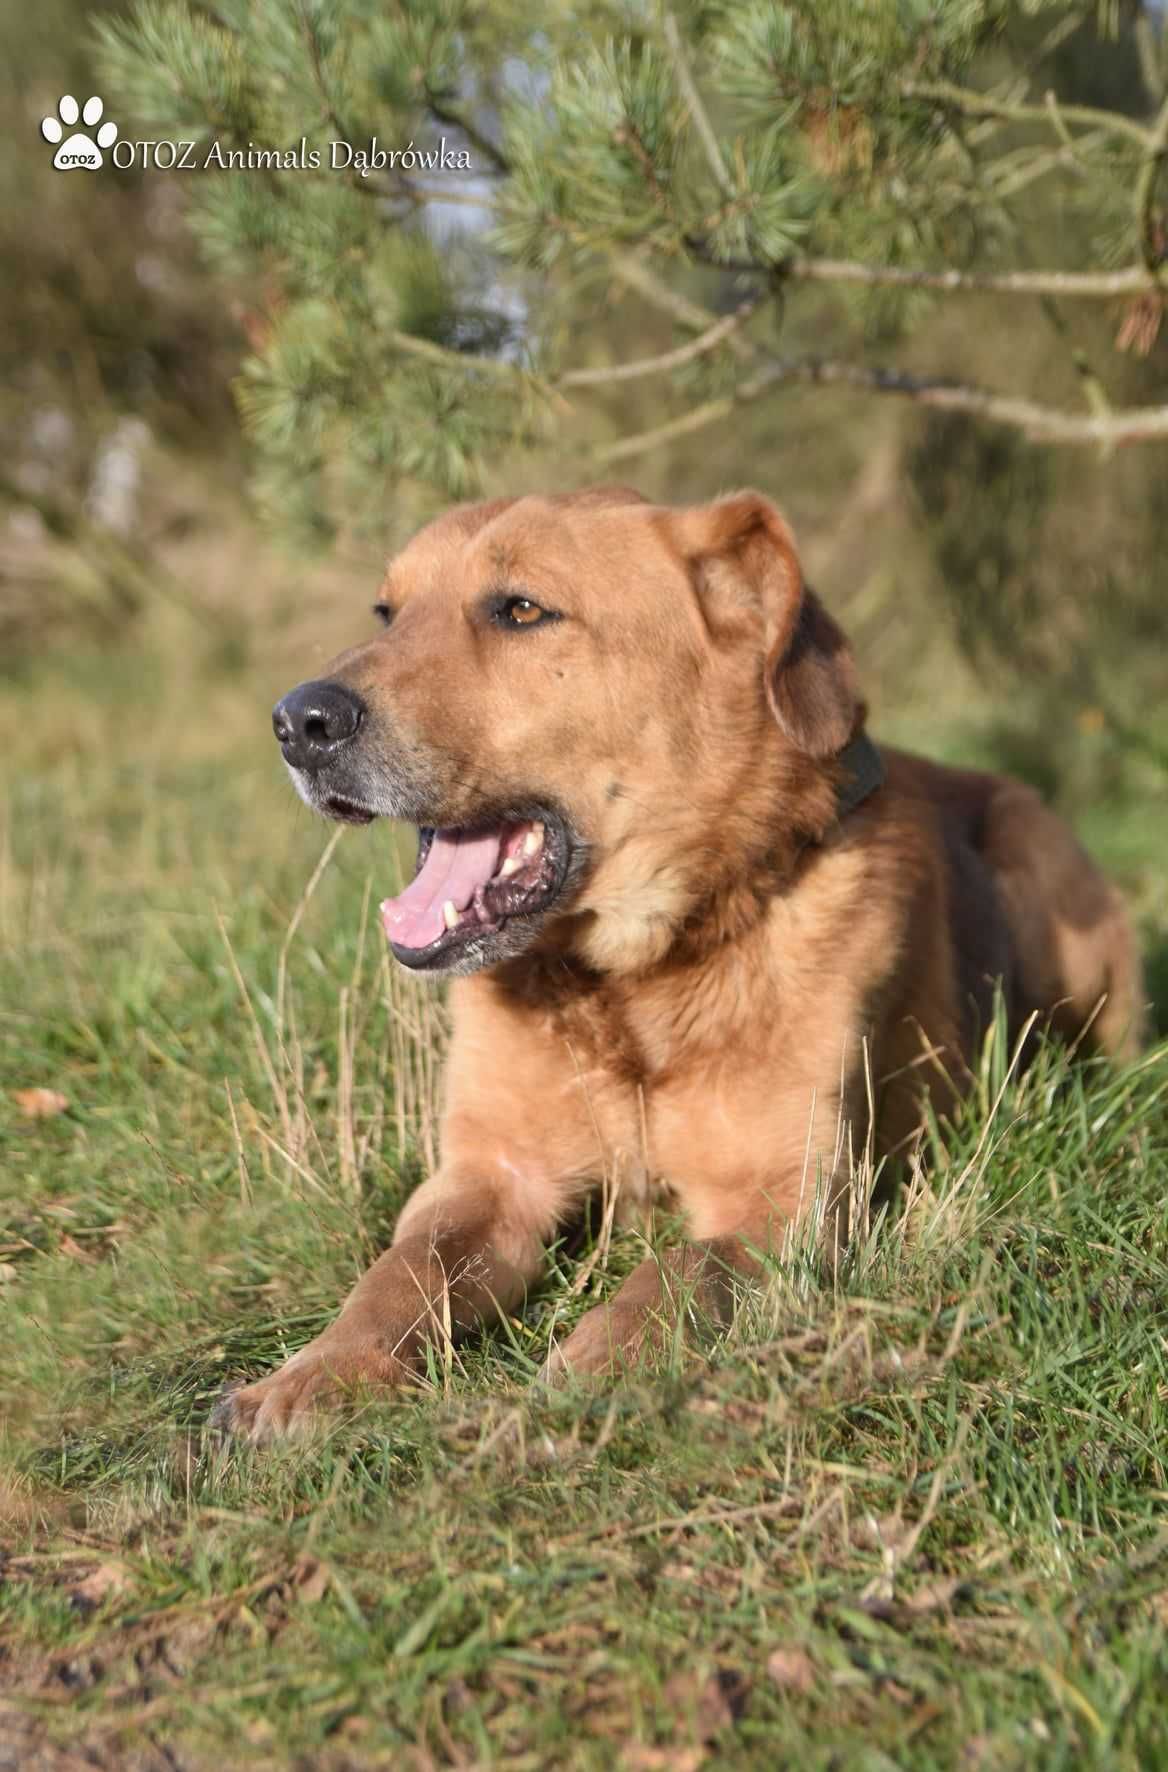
[{"x": 912, "y": 1516}]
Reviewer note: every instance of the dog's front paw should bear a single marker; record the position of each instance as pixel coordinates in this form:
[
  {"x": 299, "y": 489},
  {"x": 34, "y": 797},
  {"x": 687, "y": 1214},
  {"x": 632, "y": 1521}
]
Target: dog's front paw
[
  {"x": 608, "y": 1340},
  {"x": 294, "y": 1398}
]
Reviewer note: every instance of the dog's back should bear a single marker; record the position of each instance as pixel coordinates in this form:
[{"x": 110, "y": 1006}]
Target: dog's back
[{"x": 1055, "y": 932}]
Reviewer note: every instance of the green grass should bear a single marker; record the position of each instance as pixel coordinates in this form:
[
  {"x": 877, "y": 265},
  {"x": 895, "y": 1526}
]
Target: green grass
[{"x": 915, "y": 1516}]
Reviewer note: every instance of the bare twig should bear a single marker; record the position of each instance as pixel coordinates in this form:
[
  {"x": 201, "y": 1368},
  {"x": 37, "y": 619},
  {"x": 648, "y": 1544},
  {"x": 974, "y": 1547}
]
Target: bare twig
[
  {"x": 454, "y": 119},
  {"x": 1015, "y": 172},
  {"x": 635, "y": 274},
  {"x": 469, "y": 361},
  {"x": 1089, "y": 285},
  {"x": 697, "y": 110},
  {"x": 1151, "y": 233},
  {"x": 984, "y": 104},
  {"x": 1149, "y": 57},
  {"x": 413, "y": 346},
  {"x": 697, "y": 419},
  {"x": 1040, "y": 424},
  {"x": 706, "y": 341}
]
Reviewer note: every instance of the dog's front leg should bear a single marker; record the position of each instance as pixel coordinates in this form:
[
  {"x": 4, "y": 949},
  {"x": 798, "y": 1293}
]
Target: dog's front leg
[
  {"x": 695, "y": 1286},
  {"x": 466, "y": 1247}
]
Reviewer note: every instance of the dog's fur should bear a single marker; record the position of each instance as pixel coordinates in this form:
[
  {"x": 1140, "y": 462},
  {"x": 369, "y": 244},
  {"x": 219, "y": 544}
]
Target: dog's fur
[{"x": 697, "y": 1004}]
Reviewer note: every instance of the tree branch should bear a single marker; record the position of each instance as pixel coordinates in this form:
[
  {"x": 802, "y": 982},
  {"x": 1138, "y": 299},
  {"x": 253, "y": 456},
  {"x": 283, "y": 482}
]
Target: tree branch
[
  {"x": 1086, "y": 285},
  {"x": 697, "y": 420},
  {"x": 636, "y": 275},
  {"x": 455, "y": 120},
  {"x": 697, "y": 110},
  {"x": 413, "y": 346},
  {"x": 1148, "y": 51},
  {"x": 1077, "y": 285},
  {"x": 1039, "y": 424},
  {"x": 699, "y": 347},
  {"x": 1150, "y": 232},
  {"x": 983, "y": 104}
]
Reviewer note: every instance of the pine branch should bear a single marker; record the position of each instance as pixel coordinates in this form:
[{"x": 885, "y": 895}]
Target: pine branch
[
  {"x": 1151, "y": 233},
  {"x": 1078, "y": 285},
  {"x": 698, "y": 420},
  {"x": 983, "y": 104},
  {"x": 709, "y": 340},
  {"x": 1148, "y": 52},
  {"x": 397, "y": 186},
  {"x": 454, "y": 119},
  {"x": 1039, "y": 424},
  {"x": 412, "y": 346},
  {"x": 701, "y": 346},
  {"x": 697, "y": 110},
  {"x": 636, "y": 275}
]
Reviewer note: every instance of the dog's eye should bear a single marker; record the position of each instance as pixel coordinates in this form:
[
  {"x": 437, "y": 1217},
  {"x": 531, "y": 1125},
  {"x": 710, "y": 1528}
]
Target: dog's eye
[
  {"x": 384, "y": 613},
  {"x": 520, "y": 612}
]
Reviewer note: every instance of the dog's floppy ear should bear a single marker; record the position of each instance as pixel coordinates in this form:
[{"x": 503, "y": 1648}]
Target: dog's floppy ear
[{"x": 744, "y": 557}]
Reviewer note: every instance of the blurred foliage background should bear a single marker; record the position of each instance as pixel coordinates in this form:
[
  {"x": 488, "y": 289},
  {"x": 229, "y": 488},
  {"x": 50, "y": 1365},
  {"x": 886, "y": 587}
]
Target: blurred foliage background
[{"x": 225, "y": 395}]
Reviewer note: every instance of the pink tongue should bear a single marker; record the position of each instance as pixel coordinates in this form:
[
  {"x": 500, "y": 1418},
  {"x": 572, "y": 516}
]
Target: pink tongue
[{"x": 456, "y": 865}]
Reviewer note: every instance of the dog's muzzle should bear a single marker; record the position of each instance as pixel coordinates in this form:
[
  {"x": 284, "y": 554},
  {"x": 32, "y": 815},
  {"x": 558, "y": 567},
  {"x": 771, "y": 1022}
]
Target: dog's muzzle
[{"x": 314, "y": 722}]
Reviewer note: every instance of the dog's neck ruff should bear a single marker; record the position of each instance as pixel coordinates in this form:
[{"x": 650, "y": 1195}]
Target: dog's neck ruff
[{"x": 861, "y": 773}]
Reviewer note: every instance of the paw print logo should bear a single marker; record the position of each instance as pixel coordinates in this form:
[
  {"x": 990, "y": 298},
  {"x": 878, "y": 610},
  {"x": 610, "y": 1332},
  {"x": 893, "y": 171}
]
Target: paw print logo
[{"x": 79, "y": 150}]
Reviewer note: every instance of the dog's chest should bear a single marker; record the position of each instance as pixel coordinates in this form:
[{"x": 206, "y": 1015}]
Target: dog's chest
[
  {"x": 704, "y": 1094},
  {"x": 648, "y": 1091}
]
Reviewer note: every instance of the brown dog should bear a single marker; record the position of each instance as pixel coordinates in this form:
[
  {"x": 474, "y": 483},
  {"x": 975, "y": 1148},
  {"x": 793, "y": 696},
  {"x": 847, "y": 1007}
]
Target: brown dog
[{"x": 691, "y": 894}]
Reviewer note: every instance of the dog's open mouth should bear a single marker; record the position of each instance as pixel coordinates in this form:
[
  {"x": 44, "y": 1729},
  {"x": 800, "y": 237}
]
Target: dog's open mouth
[
  {"x": 469, "y": 884},
  {"x": 346, "y": 811}
]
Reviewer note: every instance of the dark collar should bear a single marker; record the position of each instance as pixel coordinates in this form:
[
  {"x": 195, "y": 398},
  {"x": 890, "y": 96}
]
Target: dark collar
[{"x": 861, "y": 773}]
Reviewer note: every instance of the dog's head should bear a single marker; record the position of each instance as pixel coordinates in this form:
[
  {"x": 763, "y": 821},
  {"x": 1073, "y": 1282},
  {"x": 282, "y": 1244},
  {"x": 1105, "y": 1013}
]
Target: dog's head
[{"x": 602, "y": 715}]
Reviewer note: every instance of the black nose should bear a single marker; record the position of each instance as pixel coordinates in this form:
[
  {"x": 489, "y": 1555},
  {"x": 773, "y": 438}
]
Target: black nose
[{"x": 314, "y": 721}]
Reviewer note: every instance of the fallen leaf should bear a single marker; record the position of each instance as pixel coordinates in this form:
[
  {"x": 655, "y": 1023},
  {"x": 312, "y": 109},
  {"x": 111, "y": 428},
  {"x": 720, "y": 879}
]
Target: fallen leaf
[
  {"x": 102, "y": 1583},
  {"x": 884, "y": 1532},
  {"x": 71, "y": 1247},
  {"x": 662, "y": 1759},
  {"x": 352, "y": 1728},
  {"x": 41, "y": 1104},
  {"x": 879, "y": 1603},
  {"x": 714, "y": 1703},
  {"x": 793, "y": 1669},
  {"x": 976, "y": 1751},
  {"x": 310, "y": 1579},
  {"x": 936, "y": 1596}
]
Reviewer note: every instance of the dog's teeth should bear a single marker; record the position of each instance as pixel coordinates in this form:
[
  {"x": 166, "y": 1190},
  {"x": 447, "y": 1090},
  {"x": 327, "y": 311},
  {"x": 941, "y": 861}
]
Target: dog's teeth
[
  {"x": 509, "y": 867},
  {"x": 533, "y": 841},
  {"x": 449, "y": 914}
]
